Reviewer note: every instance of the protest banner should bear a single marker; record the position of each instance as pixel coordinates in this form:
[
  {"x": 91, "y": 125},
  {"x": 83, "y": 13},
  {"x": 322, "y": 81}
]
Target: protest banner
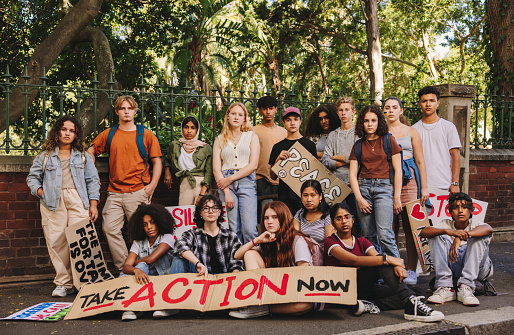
[
  {"x": 336, "y": 285},
  {"x": 88, "y": 264},
  {"x": 46, "y": 311},
  {"x": 302, "y": 166},
  {"x": 418, "y": 219},
  {"x": 184, "y": 219}
]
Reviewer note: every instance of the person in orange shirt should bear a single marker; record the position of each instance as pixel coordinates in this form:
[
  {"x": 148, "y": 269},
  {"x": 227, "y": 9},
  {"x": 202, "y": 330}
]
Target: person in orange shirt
[{"x": 130, "y": 180}]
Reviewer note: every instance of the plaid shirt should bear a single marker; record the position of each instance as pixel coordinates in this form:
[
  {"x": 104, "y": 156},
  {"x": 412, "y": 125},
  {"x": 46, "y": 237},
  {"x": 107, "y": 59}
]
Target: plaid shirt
[{"x": 227, "y": 244}]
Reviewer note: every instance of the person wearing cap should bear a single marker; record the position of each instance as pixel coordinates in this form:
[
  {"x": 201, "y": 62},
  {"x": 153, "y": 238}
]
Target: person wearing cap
[
  {"x": 292, "y": 120},
  {"x": 459, "y": 250}
]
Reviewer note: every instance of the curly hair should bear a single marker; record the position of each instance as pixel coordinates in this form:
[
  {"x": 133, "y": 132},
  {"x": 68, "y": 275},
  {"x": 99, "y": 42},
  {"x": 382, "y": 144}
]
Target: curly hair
[
  {"x": 246, "y": 126},
  {"x": 267, "y": 101},
  {"x": 322, "y": 207},
  {"x": 281, "y": 252},
  {"x": 161, "y": 217},
  {"x": 382, "y": 128},
  {"x": 462, "y": 197},
  {"x": 429, "y": 90},
  {"x": 313, "y": 127},
  {"x": 52, "y": 140},
  {"x": 199, "y": 221}
]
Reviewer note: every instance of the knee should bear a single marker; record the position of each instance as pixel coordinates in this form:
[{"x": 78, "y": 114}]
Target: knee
[{"x": 484, "y": 241}]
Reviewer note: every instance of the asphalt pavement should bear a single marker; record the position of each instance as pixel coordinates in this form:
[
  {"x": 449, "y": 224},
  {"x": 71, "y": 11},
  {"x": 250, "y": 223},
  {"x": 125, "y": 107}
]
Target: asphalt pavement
[{"x": 494, "y": 315}]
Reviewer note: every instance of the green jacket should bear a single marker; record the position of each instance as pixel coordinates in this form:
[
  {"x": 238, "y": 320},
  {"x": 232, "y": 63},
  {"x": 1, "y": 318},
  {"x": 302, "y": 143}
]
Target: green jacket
[{"x": 202, "y": 157}]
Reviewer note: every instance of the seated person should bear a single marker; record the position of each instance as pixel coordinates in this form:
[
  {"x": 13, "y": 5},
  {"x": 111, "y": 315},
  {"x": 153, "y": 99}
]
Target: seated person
[
  {"x": 344, "y": 249},
  {"x": 460, "y": 252},
  {"x": 209, "y": 248}
]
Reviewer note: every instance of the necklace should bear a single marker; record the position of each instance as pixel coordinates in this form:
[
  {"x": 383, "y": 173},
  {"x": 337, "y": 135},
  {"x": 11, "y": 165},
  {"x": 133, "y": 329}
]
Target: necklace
[
  {"x": 431, "y": 127},
  {"x": 273, "y": 126},
  {"x": 235, "y": 139},
  {"x": 372, "y": 146}
]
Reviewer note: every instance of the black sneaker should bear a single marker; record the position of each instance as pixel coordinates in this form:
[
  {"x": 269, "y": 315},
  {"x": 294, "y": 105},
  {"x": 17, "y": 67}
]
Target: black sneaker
[
  {"x": 364, "y": 306},
  {"x": 416, "y": 310}
]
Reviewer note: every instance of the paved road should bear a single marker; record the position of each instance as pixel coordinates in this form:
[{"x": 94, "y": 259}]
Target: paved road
[{"x": 331, "y": 321}]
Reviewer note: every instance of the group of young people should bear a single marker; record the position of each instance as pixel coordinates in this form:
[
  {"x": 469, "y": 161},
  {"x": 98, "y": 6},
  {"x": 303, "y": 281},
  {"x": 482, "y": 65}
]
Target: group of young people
[{"x": 386, "y": 163}]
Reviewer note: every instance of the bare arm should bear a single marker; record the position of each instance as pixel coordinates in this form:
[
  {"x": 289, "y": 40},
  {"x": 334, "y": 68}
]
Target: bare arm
[
  {"x": 481, "y": 231},
  {"x": 296, "y": 224},
  {"x": 265, "y": 237},
  {"x": 371, "y": 259},
  {"x": 201, "y": 268},
  {"x": 397, "y": 166},
  {"x": 417, "y": 146},
  {"x": 216, "y": 160},
  {"x": 156, "y": 175},
  {"x": 340, "y": 158},
  {"x": 92, "y": 152},
  {"x": 433, "y": 232},
  {"x": 364, "y": 206},
  {"x": 330, "y": 230},
  {"x": 128, "y": 268},
  {"x": 455, "y": 155},
  {"x": 255, "y": 148}
]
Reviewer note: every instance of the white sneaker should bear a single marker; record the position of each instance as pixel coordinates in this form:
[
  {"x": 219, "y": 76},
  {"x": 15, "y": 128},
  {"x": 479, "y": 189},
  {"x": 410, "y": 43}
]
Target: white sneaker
[
  {"x": 164, "y": 313},
  {"x": 128, "y": 316},
  {"x": 412, "y": 278},
  {"x": 466, "y": 296},
  {"x": 61, "y": 291},
  {"x": 364, "y": 306},
  {"x": 442, "y": 295},
  {"x": 250, "y": 312}
]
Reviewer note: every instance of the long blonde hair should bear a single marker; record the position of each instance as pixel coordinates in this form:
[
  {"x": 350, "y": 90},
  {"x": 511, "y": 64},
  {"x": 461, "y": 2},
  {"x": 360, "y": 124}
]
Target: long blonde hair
[{"x": 245, "y": 126}]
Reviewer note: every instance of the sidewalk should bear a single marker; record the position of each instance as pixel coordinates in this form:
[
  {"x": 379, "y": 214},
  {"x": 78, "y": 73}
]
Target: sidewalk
[{"x": 495, "y": 315}]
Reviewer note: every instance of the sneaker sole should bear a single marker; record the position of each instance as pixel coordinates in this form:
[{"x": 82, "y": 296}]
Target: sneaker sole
[
  {"x": 439, "y": 303},
  {"x": 165, "y": 316},
  {"x": 247, "y": 316},
  {"x": 470, "y": 305},
  {"x": 430, "y": 318}
]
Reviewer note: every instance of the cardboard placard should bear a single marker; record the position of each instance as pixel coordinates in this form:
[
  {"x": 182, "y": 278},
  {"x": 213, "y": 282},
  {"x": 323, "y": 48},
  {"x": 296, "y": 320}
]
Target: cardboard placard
[
  {"x": 336, "y": 285},
  {"x": 46, "y": 311},
  {"x": 184, "y": 219},
  {"x": 418, "y": 219},
  {"x": 438, "y": 199},
  {"x": 88, "y": 264},
  {"x": 302, "y": 166}
]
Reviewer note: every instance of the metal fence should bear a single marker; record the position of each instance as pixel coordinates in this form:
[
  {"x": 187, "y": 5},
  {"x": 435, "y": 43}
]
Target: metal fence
[{"x": 162, "y": 107}]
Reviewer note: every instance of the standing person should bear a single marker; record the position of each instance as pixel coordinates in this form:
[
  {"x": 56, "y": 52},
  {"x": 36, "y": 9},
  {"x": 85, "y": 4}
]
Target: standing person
[
  {"x": 460, "y": 252},
  {"x": 292, "y": 119},
  {"x": 313, "y": 218},
  {"x": 64, "y": 177},
  {"x": 320, "y": 123},
  {"x": 376, "y": 179},
  {"x": 414, "y": 171},
  {"x": 151, "y": 231},
  {"x": 441, "y": 143},
  {"x": 269, "y": 134},
  {"x": 130, "y": 181},
  {"x": 336, "y": 156},
  {"x": 234, "y": 161},
  {"x": 344, "y": 249},
  {"x": 190, "y": 161},
  {"x": 280, "y": 245}
]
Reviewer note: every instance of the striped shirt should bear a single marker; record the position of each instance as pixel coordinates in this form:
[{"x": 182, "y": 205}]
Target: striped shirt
[{"x": 315, "y": 229}]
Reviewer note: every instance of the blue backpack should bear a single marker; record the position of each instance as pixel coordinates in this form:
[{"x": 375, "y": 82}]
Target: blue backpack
[{"x": 139, "y": 142}]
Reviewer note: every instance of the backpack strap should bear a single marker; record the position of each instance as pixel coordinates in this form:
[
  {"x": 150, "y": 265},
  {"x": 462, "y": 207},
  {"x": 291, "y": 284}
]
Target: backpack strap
[
  {"x": 387, "y": 150},
  {"x": 140, "y": 143},
  {"x": 357, "y": 150},
  {"x": 109, "y": 138}
]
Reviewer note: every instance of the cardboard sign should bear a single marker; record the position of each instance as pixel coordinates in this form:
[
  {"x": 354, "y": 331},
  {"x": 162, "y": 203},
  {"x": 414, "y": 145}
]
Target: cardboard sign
[
  {"x": 184, "y": 219},
  {"x": 46, "y": 311},
  {"x": 440, "y": 212},
  {"x": 88, "y": 265},
  {"x": 418, "y": 218},
  {"x": 302, "y": 166},
  {"x": 336, "y": 285}
]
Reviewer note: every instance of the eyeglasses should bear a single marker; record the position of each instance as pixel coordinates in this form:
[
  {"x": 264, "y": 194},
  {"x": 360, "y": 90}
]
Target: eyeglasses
[
  {"x": 343, "y": 218},
  {"x": 208, "y": 209}
]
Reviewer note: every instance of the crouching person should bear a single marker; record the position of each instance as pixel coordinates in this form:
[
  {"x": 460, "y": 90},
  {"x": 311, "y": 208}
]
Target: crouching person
[
  {"x": 344, "y": 249},
  {"x": 460, "y": 252}
]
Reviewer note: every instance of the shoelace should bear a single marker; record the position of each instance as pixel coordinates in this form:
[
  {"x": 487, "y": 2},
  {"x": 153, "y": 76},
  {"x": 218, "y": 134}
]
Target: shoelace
[
  {"x": 419, "y": 304},
  {"x": 466, "y": 290},
  {"x": 372, "y": 308}
]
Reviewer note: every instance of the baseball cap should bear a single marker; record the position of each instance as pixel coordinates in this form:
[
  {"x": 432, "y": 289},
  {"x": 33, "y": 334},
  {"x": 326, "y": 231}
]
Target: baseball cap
[{"x": 290, "y": 110}]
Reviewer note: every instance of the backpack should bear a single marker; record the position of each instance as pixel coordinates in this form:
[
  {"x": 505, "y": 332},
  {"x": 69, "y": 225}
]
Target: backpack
[
  {"x": 314, "y": 248},
  {"x": 139, "y": 142},
  {"x": 387, "y": 149}
]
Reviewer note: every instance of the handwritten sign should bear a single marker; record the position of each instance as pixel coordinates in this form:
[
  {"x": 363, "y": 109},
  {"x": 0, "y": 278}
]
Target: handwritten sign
[
  {"x": 336, "y": 285},
  {"x": 184, "y": 219},
  {"x": 46, "y": 311},
  {"x": 418, "y": 219},
  {"x": 302, "y": 166},
  {"x": 88, "y": 264},
  {"x": 439, "y": 200}
]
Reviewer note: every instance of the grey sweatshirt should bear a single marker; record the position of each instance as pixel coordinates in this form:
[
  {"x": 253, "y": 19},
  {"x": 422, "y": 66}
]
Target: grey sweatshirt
[{"x": 339, "y": 143}]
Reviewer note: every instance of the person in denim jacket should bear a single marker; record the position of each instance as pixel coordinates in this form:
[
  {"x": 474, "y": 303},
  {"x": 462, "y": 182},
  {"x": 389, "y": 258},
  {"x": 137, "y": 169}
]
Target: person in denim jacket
[{"x": 65, "y": 179}]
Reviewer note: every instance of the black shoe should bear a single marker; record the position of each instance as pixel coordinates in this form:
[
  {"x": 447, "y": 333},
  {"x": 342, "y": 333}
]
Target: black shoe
[
  {"x": 416, "y": 310},
  {"x": 364, "y": 306}
]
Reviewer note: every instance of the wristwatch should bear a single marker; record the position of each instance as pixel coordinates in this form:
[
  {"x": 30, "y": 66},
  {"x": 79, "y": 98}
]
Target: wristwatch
[
  {"x": 384, "y": 258},
  {"x": 455, "y": 183}
]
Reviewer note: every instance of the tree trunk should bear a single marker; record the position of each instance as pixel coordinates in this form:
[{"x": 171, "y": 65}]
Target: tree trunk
[
  {"x": 45, "y": 55},
  {"x": 501, "y": 18},
  {"x": 105, "y": 70},
  {"x": 374, "y": 50},
  {"x": 273, "y": 66}
]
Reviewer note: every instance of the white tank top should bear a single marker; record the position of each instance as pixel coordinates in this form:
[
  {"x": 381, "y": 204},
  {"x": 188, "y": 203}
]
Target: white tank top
[{"x": 236, "y": 156}]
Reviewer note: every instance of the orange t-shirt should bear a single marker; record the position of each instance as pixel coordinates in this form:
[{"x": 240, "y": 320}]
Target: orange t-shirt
[
  {"x": 125, "y": 163},
  {"x": 374, "y": 162}
]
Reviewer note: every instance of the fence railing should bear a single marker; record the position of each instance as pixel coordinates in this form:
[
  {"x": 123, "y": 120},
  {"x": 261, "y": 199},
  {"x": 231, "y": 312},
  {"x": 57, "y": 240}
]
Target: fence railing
[{"x": 162, "y": 107}]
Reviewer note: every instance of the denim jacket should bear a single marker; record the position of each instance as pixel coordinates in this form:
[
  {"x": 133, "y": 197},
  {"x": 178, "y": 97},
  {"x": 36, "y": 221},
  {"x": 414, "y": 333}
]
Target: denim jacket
[
  {"x": 85, "y": 178},
  {"x": 163, "y": 264}
]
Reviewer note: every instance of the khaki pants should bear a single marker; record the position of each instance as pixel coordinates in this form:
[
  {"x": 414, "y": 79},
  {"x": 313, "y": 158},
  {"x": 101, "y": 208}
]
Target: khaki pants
[
  {"x": 70, "y": 211},
  {"x": 188, "y": 194},
  {"x": 117, "y": 206}
]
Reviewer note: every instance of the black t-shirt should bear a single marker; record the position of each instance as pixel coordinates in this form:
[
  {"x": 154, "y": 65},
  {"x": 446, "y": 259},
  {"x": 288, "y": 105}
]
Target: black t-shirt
[
  {"x": 285, "y": 193},
  {"x": 215, "y": 261}
]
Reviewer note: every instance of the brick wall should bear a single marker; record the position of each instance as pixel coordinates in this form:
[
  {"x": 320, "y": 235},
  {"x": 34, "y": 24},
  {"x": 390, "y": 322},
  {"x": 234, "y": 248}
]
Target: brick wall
[{"x": 23, "y": 250}]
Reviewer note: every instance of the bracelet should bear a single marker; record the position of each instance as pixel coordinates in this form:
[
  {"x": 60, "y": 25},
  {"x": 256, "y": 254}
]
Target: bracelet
[
  {"x": 196, "y": 265},
  {"x": 253, "y": 242},
  {"x": 384, "y": 257}
]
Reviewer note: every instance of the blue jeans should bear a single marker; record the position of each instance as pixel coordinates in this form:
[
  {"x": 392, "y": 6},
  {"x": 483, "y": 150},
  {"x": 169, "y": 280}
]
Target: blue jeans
[
  {"x": 242, "y": 219},
  {"x": 182, "y": 265},
  {"x": 378, "y": 226},
  {"x": 473, "y": 261}
]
